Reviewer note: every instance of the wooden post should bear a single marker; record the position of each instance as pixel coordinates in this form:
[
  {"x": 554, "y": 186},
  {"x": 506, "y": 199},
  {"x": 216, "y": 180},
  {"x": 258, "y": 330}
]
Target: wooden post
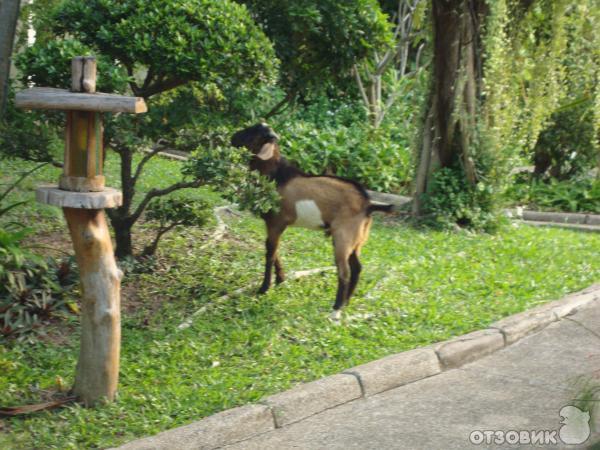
[
  {"x": 98, "y": 365},
  {"x": 97, "y": 371},
  {"x": 83, "y": 138},
  {"x": 83, "y": 197}
]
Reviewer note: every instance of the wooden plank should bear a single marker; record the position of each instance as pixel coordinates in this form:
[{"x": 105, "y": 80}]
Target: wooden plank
[
  {"x": 51, "y": 195},
  {"x": 51, "y": 98}
]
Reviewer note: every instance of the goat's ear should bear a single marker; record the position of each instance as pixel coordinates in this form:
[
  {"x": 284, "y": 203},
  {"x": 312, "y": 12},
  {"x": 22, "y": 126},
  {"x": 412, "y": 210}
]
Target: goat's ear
[{"x": 266, "y": 151}]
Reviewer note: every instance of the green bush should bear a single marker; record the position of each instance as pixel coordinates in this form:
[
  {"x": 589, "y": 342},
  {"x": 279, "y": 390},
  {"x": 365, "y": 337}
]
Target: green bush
[
  {"x": 372, "y": 157},
  {"x": 169, "y": 213},
  {"x": 566, "y": 147},
  {"x": 452, "y": 201},
  {"x": 30, "y": 135}
]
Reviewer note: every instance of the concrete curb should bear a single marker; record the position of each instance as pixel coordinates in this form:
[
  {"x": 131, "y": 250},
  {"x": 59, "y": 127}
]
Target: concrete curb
[
  {"x": 311, "y": 398},
  {"x": 556, "y": 217},
  {"x": 396, "y": 370},
  {"x": 307, "y": 399}
]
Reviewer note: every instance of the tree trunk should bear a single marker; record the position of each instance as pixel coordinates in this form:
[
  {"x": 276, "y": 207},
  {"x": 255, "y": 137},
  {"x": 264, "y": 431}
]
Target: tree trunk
[
  {"x": 120, "y": 217},
  {"x": 9, "y": 14},
  {"x": 98, "y": 366},
  {"x": 123, "y": 245},
  {"x": 450, "y": 125}
]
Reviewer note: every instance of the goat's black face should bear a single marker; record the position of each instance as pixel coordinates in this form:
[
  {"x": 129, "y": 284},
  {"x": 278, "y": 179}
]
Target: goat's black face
[{"x": 254, "y": 137}]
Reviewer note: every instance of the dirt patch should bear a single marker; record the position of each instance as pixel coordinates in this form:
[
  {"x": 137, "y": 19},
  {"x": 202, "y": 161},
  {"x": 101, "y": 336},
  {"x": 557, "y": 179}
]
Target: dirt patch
[{"x": 56, "y": 244}]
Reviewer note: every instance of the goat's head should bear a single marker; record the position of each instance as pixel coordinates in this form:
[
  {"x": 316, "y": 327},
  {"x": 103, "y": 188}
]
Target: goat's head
[{"x": 260, "y": 139}]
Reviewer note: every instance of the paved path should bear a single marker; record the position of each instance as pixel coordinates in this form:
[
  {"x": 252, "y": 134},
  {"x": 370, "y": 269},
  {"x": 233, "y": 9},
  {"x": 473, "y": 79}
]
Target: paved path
[{"x": 522, "y": 387}]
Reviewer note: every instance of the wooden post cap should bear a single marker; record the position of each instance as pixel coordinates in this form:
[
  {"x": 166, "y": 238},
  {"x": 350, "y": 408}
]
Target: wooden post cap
[{"x": 83, "y": 74}]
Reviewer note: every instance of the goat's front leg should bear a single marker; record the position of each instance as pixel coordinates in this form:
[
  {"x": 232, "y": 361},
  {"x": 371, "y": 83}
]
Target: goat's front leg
[{"x": 271, "y": 257}]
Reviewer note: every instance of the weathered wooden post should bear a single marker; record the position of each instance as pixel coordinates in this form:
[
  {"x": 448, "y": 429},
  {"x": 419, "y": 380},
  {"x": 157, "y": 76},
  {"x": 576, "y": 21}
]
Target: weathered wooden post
[{"x": 83, "y": 197}]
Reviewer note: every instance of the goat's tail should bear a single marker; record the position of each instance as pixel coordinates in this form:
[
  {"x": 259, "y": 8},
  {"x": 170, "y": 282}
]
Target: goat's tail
[{"x": 379, "y": 207}]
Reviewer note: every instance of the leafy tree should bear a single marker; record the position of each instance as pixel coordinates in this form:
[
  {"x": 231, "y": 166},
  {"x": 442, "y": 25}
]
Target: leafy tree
[
  {"x": 154, "y": 49},
  {"x": 568, "y": 145},
  {"x": 497, "y": 77},
  {"x": 319, "y": 41}
]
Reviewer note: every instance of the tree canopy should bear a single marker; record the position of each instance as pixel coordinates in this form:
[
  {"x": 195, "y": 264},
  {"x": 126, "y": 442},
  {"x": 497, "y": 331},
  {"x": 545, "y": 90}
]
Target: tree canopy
[
  {"x": 160, "y": 45},
  {"x": 318, "y": 41}
]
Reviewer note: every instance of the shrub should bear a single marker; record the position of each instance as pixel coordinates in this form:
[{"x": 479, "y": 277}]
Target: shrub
[
  {"x": 171, "y": 212},
  {"x": 31, "y": 289},
  {"x": 452, "y": 201},
  {"x": 372, "y": 157},
  {"x": 566, "y": 147}
]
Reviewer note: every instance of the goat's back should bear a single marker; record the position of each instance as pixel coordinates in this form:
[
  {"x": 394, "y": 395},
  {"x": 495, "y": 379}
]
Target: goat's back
[{"x": 334, "y": 197}]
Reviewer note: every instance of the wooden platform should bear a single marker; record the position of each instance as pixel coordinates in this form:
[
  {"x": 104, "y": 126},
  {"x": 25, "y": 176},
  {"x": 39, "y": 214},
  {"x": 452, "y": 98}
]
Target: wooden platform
[
  {"x": 52, "y": 195},
  {"x": 62, "y": 99}
]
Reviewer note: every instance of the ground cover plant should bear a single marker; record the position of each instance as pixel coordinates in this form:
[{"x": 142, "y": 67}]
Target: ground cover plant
[
  {"x": 579, "y": 194},
  {"x": 417, "y": 287}
]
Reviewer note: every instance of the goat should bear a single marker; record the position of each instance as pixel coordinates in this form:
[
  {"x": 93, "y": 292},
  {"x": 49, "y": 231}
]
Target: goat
[{"x": 339, "y": 206}]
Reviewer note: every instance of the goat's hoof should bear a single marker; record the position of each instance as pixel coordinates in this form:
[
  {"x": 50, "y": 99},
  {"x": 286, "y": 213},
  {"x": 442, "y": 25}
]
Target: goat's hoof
[
  {"x": 279, "y": 280},
  {"x": 262, "y": 290},
  {"x": 335, "y": 315}
]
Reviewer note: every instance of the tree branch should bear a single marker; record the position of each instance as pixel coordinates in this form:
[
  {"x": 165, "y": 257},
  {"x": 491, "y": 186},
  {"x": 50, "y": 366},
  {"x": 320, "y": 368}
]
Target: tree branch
[
  {"x": 134, "y": 87},
  {"x": 361, "y": 87},
  {"x": 278, "y": 107},
  {"x": 148, "y": 80},
  {"x": 161, "y": 86},
  {"x": 153, "y": 193},
  {"x": 155, "y": 150}
]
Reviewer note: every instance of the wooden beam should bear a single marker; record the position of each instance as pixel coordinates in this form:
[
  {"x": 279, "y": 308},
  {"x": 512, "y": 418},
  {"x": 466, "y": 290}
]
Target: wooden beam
[{"x": 50, "y": 98}]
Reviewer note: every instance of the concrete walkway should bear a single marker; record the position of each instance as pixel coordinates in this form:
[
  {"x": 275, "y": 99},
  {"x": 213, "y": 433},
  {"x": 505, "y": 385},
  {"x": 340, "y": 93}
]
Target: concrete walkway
[{"x": 521, "y": 388}]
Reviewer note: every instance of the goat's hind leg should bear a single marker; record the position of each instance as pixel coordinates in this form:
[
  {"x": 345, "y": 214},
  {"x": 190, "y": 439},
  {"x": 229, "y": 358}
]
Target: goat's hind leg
[
  {"x": 342, "y": 251},
  {"x": 279, "y": 273},
  {"x": 355, "y": 268}
]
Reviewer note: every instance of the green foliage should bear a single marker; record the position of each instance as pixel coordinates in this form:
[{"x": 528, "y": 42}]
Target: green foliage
[
  {"x": 226, "y": 171},
  {"x": 534, "y": 60},
  {"x": 49, "y": 64},
  {"x": 29, "y": 135},
  {"x": 172, "y": 212},
  {"x": 566, "y": 148},
  {"x": 452, "y": 201},
  {"x": 180, "y": 211},
  {"x": 31, "y": 288},
  {"x": 578, "y": 194},
  {"x": 179, "y": 41},
  {"x": 318, "y": 41},
  {"x": 375, "y": 158}
]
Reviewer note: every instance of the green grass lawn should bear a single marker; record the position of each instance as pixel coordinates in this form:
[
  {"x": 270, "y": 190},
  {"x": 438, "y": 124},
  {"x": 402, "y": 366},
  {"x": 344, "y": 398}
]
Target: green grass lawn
[{"x": 417, "y": 287}]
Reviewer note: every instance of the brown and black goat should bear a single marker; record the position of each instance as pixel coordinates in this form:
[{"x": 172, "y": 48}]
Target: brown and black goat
[{"x": 340, "y": 207}]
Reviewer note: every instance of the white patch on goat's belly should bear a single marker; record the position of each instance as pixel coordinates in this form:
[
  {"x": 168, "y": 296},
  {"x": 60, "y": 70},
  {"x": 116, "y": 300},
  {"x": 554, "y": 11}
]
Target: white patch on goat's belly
[{"x": 308, "y": 215}]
